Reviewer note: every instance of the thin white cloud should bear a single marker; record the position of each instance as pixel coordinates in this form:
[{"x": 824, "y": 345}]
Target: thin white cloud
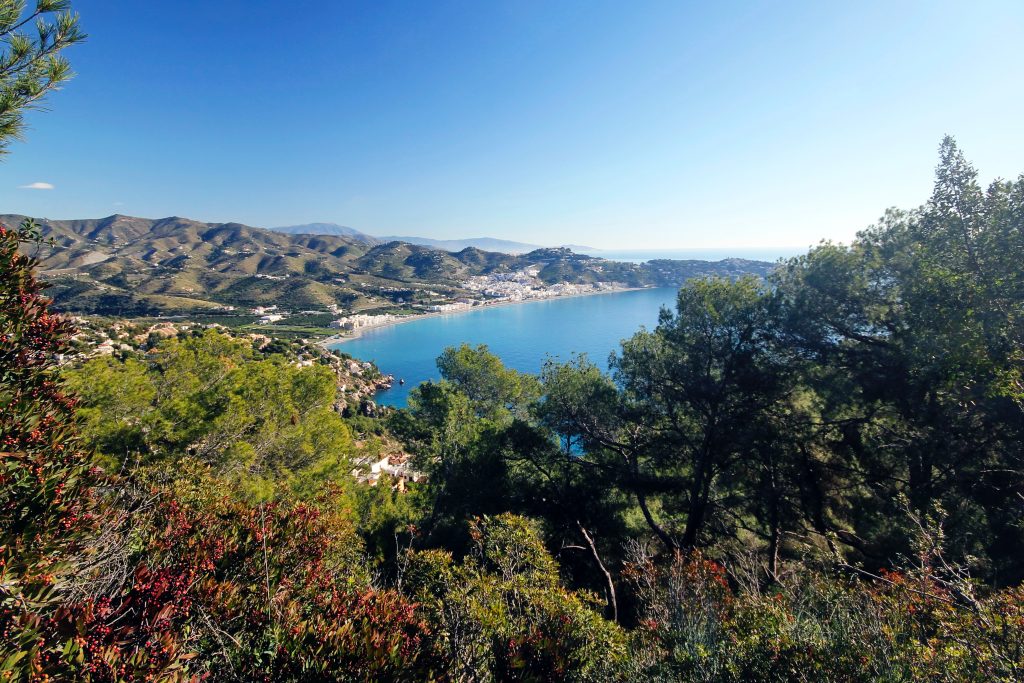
[{"x": 36, "y": 186}]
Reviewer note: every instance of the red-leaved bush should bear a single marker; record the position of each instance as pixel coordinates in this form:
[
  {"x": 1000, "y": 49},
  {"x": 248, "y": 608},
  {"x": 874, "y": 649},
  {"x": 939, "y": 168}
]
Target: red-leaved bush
[{"x": 113, "y": 580}]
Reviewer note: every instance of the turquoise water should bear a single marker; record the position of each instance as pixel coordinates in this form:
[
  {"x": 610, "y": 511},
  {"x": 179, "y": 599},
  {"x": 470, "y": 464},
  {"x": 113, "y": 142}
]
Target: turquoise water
[{"x": 522, "y": 335}]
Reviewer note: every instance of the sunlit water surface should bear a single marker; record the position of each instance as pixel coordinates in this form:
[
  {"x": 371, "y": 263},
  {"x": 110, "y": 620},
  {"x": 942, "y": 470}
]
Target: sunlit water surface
[{"x": 522, "y": 335}]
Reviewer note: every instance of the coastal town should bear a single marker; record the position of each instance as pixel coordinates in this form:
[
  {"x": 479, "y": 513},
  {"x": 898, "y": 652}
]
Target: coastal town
[
  {"x": 484, "y": 290},
  {"x": 98, "y": 337},
  {"x": 357, "y": 382},
  {"x": 525, "y": 284}
]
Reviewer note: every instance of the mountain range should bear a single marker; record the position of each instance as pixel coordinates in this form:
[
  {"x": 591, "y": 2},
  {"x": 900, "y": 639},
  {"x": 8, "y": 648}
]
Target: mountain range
[
  {"x": 484, "y": 243},
  {"x": 130, "y": 266},
  {"x": 329, "y": 229}
]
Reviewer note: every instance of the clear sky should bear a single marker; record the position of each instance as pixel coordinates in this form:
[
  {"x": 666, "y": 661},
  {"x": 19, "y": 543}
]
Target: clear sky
[{"x": 615, "y": 124}]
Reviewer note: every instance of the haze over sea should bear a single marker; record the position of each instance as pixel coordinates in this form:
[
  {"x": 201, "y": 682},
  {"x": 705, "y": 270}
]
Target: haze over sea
[
  {"x": 522, "y": 335},
  {"x": 770, "y": 254}
]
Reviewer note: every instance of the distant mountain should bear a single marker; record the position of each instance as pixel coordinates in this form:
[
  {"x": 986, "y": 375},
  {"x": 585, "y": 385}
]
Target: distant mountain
[
  {"x": 327, "y": 229},
  {"x": 483, "y": 243}
]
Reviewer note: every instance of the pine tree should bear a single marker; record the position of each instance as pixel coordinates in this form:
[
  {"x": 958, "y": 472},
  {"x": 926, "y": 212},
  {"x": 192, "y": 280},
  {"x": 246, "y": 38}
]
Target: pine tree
[{"x": 31, "y": 65}]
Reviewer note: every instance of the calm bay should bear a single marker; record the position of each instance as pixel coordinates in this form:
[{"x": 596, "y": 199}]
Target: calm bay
[{"x": 522, "y": 335}]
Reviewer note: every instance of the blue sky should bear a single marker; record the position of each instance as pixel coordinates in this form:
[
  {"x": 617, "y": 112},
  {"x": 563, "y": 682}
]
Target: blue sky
[{"x": 615, "y": 124}]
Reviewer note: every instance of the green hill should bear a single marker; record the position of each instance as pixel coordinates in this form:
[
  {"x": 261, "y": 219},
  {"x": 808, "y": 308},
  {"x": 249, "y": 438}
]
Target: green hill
[{"x": 125, "y": 265}]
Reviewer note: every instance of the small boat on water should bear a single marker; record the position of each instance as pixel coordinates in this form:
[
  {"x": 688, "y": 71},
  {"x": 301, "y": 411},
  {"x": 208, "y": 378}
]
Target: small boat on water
[{"x": 401, "y": 381}]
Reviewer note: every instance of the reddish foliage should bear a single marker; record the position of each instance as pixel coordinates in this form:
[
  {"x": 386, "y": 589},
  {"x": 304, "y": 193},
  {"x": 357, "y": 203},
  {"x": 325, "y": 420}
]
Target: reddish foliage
[{"x": 263, "y": 592}]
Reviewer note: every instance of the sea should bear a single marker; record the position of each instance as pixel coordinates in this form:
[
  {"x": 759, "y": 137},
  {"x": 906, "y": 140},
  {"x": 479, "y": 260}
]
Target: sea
[{"x": 523, "y": 335}]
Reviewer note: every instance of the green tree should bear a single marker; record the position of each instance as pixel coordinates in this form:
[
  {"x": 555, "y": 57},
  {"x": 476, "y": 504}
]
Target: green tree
[
  {"x": 116, "y": 417},
  {"x": 915, "y": 331},
  {"x": 502, "y": 614},
  {"x": 386, "y": 519},
  {"x": 31, "y": 63},
  {"x": 455, "y": 428},
  {"x": 266, "y": 425},
  {"x": 697, "y": 402},
  {"x": 496, "y": 392}
]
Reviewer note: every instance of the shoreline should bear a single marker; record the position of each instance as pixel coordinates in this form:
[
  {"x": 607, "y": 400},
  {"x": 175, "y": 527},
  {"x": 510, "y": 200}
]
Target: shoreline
[{"x": 356, "y": 334}]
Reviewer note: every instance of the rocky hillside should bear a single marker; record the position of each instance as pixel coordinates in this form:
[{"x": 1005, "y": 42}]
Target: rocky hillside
[{"x": 129, "y": 266}]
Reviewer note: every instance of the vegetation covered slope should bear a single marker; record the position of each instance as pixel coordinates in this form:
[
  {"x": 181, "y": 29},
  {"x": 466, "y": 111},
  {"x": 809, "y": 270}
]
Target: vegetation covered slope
[
  {"x": 121, "y": 265},
  {"x": 132, "y": 263}
]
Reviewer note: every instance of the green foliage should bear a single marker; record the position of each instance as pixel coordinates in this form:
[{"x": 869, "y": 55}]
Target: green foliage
[
  {"x": 579, "y": 401},
  {"x": 495, "y": 391},
  {"x": 386, "y": 519},
  {"x": 793, "y": 414},
  {"x": 45, "y": 483},
  {"x": 701, "y": 394},
  {"x": 121, "y": 583},
  {"x": 502, "y": 615},
  {"x": 31, "y": 61},
  {"x": 439, "y": 424},
  {"x": 259, "y": 421},
  {"x": 810, "y": 421},
  {"x": 915, "y": 334}
]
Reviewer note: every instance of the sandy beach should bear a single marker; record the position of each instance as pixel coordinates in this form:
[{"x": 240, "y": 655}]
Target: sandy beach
[{"x": 341, "y": 338}]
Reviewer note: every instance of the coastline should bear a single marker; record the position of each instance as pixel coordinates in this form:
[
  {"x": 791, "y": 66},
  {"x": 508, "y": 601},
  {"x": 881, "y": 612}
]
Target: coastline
[{"x": 356, "y": 334}]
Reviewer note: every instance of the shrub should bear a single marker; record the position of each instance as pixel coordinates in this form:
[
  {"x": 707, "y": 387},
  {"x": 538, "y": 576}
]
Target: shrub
[{"x": 502, "y": 614}]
